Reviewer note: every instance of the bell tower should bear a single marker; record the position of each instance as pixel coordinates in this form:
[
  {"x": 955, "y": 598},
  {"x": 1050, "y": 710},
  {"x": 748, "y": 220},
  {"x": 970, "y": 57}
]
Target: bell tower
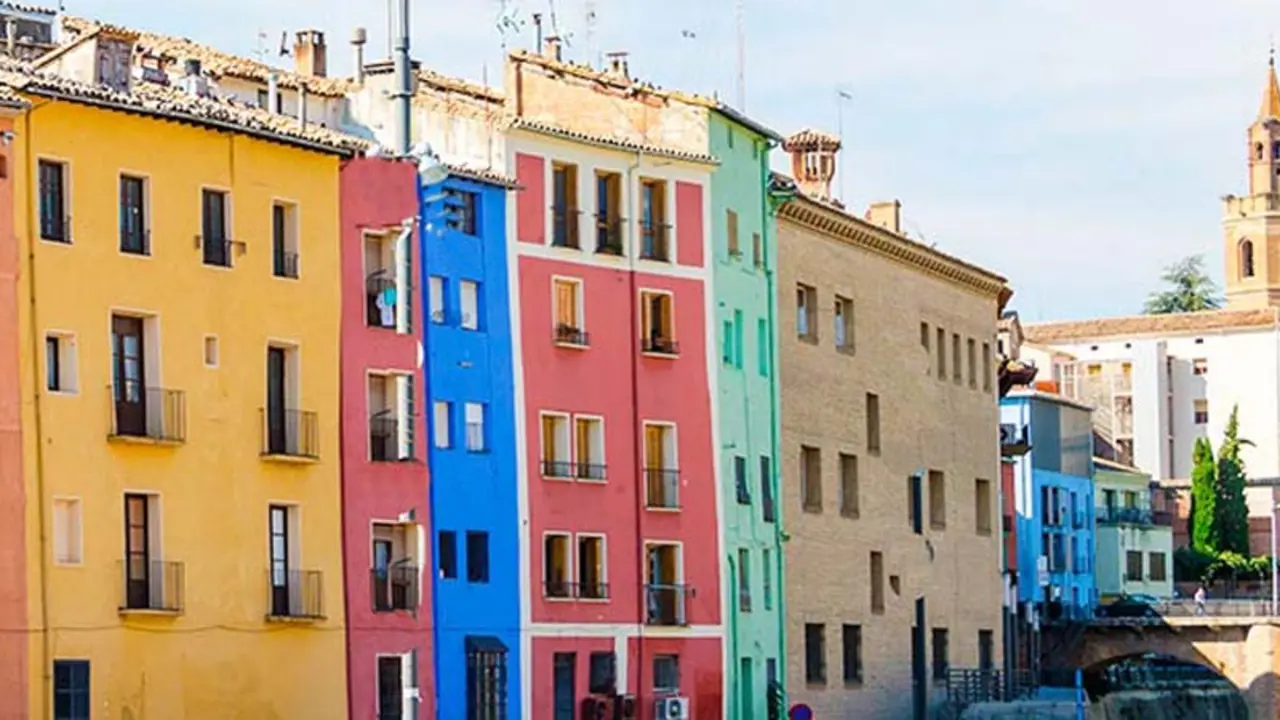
[{"x": 1251, "y": 224}]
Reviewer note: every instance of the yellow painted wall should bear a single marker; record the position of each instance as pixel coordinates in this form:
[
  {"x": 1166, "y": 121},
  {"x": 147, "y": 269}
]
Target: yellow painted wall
[{"x": 219, "y": 658}]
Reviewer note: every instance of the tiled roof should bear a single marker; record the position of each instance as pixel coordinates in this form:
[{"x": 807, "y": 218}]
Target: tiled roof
[
  {"x": 214, "y": 61},
  {"x": 444, "y": 83},
  {"x": 483, "y": 175},
  {"x": 606, "y": 77},
  {"x": 1146, "y": 325},
  {"x": 172, "y": 103},
  {"x": 543, "y": 128},
  {"x": 8, "y": 98},
  {"x": 811, "y": 138},
  {"x": 33, "y": 9}
]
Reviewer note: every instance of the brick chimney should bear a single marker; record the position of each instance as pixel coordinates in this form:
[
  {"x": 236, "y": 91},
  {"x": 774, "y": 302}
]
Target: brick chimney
[
  {"x": 813, "y": 161},
  {"x": 887, "y": 214},
  {"x": 309, "y": 53}
]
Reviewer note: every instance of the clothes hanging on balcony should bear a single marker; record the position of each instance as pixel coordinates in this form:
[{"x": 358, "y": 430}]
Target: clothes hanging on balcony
[{"x": 386, "y": 303}]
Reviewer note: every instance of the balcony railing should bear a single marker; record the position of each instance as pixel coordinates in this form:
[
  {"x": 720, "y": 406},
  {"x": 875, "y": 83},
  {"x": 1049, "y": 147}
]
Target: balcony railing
[
  {"x": 744, "y": 599},
  {"x": 608, "y": 234},
  {"x": 295, "y": 594},
  {"x": 215, "y": 251},
  {"x": 1132, "y": 516},
  {"x": 665, "y": 604},
  {"x": 381, "y": 299},
  {"x": 394, "y": 588},
  {"x": 153, "y": 413},
  {"x": 590, "y": 471},
  {"x": 290, "y": 433},
  {"x": 285, "y": 264},
  {"x": 564, "y": 590},
  {"x": 570, "y": 335},
  {"x": 151, "y": 585},
  {"x": 662, "y": 488},
  {"x": 560, "y": 589},
  {"x": 385, "y": 441},
  {"x": 655, "y": 242},
  {"x": 592, "y": 590},
  {"x": 659, "y": 345},
  {"x": 743, "y": 491},
  {"x": 557, "y": 468},
  {"x": 564, "y": 226}
]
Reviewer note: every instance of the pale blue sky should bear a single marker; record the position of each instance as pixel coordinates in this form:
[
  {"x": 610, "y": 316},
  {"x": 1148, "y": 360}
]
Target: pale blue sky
[{"x": 1075, "y": 146}]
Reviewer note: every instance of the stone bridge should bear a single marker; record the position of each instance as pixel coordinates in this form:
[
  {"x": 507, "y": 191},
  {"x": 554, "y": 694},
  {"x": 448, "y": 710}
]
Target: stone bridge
[{"x": 1242, "y": 649}]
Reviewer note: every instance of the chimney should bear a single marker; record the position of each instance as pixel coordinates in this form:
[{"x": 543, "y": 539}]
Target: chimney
[
  {"x": 10, "y": 30},
  {"x": 537, "y": 27},
  {"x": 309, "y": 53},
  {"x": 273, "y": 93},
  {"x": 358, "y": 39},
  {"x": 302, "y": 104},
  {"x": 813, "y": 161},
  {"x": 618, "y": 63},
  {"x": 887, "y": 214},
  {"x": 551, "y": 48},
  {"x": 193, "y": 82}
]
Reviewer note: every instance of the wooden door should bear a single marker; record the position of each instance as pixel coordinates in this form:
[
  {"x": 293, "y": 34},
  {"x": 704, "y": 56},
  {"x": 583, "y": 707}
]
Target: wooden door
[
  {"x": 129, "y": 375},
  {"x": 137, "y": 552},
  {"x": 277, "y": 426}
]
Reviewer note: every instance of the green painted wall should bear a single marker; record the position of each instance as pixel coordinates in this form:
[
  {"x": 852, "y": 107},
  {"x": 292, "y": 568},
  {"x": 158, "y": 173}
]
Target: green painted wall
[{"x": 746, "y": 382}]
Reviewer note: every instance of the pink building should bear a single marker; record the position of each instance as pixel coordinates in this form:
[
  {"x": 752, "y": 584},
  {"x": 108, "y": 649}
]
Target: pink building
[
  {"x": 613, "y": 371},
  {"x": 384, "y": 478}
]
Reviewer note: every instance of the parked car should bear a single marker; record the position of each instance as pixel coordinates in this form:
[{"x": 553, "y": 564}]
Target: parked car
[{"x": 1139, "y": 605}]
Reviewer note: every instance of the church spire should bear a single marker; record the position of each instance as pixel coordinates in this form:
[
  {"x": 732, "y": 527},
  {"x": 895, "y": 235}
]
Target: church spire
[{"x": 1271, "y": 96}]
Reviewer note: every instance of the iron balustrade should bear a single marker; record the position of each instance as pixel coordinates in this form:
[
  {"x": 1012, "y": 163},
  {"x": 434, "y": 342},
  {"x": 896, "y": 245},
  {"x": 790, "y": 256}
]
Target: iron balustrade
[
  {"x": 379, "y": 287},
  {"x": 662, "y": 488},
  {"x": 570, "y": 335},
  {"x": 561, "y": 589},
  {"x": 291, "y": 433},
  {"x": 557, "y": 468},
  {"x": 590, "y": 471},
  {"x": 970, "y": 686},
  {"x": 1134, "y": 676},
  {"x": 215, "y": 251},
  {"x": 285, "y": 264},
  {"x": 155, "y": 585},
  {"x": 1126, "y": 516},
  {"x": 655, "y": 241},
  {"x": 394, "y": 587},
  {"x": 608, "y": 234},
  {"x": 385, "y": 441},
  {"x": 659, "y": 345},
  {"x": 147, "y": 412},
  {"x": 770, "y": 508},
  {"x": 665, "y": 604},
  {"x": 564, "y": 226},
  {"x": 592, "y": 591},
  {"x": 295, "y": 594}
]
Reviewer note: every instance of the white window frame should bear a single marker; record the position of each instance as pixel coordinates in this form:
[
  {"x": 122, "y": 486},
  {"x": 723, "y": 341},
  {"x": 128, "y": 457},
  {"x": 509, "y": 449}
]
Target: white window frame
[
  {"x": 604, "y": 564},
  {"x": 73, "y": 556},
  {"x": 436, "y": 305},
  {"x": 571, "y": 567},
  {"x": 467, "y": 423},
  {"x": 442, "y": 432},
  {"x": 469, "y": 321},
  {"x": 577, "y": 451},
  {"x": 568, "y": 449}
]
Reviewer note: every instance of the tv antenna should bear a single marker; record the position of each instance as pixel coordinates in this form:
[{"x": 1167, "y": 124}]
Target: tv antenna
[
  {"x": 261, "y": 48},
  {"x": 508, "y": 21},
  {"x": 740, "y": 18},
  {"x": 564, "y": 38},
  {"x": 589, "y": 21}
]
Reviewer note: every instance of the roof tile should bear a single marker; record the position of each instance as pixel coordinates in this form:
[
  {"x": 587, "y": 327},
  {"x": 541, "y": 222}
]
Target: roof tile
[{"x": 1147, "y": 325}]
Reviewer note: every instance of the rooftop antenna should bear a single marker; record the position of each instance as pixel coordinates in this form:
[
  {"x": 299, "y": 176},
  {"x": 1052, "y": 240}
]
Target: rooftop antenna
[
  {"x": 555, "y": 26},
  {"x": 589, "y": 21},
  {"x": 508, "y": 22},
  {"x": 841, "y": 96},
  {"x": 740, "y": 18},
  {"x": 284, "y": 43},
  {"x": 261, "y": 48}
]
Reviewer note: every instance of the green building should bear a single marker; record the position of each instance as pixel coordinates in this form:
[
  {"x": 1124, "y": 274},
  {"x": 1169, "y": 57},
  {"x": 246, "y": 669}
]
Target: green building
[
  {"x": 743, "y": 233},
  {"x": 1134, "y": 543}
]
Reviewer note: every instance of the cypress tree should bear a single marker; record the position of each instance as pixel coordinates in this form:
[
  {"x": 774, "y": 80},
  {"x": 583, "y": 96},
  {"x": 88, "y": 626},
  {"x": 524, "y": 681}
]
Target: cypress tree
[
  {"x": 1203, "y": 519},
  {"x": 1231, "y": 509}
]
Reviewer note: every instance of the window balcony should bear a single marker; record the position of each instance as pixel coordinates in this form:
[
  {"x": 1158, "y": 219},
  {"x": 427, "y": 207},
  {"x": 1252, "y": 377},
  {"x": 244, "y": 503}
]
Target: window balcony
[
  {"x": 1131, "y": 516},
  {"x": 570, "y": 335},
  {"x": 565, "y": 469},
  {"x": 390, "y": 437},
  {"x": 559, "y": 589},
  {"x": 295, "y": 595},
  {"x": 769, "y": 508},
  {"x": 662, "y": 488},
  {"x": 658, "y": 345},
  {"x": 594, "y": 590},
  {"x": 151, "y": 586},
  {"x": 284, "y": 264},
  {"x": 149, "y": 415},
  {"x": 382, "y": 304},
  {"x": 590, "y": 471},
  {"x": 288, "y": 433},
  {"x": 665, "y": 604},
  {"x": 564, "y": 226},
  {"x": 394, "y": 588},
  {"x": 608, "y": 235},
  {"x": 217, "y": 251},
  {"x": 655, "y": 241}
]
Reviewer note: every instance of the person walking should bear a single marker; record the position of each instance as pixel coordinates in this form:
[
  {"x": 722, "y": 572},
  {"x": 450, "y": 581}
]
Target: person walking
[{"x": 1200, "y": 595}]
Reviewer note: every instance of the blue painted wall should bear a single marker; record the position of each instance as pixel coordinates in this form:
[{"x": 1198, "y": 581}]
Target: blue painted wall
[
  {"x": 471, "y": 491},
  {"x": 1055, "y": 502}
]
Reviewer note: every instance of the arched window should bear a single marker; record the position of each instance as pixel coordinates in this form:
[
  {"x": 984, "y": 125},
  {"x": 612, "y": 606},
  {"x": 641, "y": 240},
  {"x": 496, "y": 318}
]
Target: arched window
[
  {"x": 1246, "y": 258},
  {"x": 1259, "y": 151}
]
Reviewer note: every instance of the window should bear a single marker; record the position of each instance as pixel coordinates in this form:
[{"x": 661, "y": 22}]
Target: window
[
  {"x": 477, "y": 556},
  {"x": 564, "y": 692},
  {"x": 740, "y": 480},
  {"x": 60, "y": 363},
  {"x": 388, "y": 290},
  {"x": 447, "y": 554},
  {"x": 937, "y": 500},
  {"x": 986, "y": 367},
  {"x": 915, "y": 503},
  {"x": 294, "y": 593},
  {"x": 762, "y": 347},
  {"x": 843, "y": 324},
  {"x": 602, "y": 677},
  {"x": 655, "y": 242},
  {"x": 973, "y": 363},
  {"x": 815, "y": 654},
  {"x": 1133, "y": 566},
  {"x": 211, "y": 351},
  {"x": 757, "y": 249},
  {"x": 608, "y": 220},
  {"x": 766, "y": 577},
  {"x": 1156, "y": 562},
  {"x": 986, "y": 650},
  {"x": 435, "y": 299},
  {"x": 592, "y": 583},
  {"x": 766, "y": 489},
  {"x": 394, "y": 570},
  {"x": 924, "y": 336},
  {"x": 54, "y": 222},
  {"x": 873, "y": 423},
  {"x": 214, "y": 241},
  {"x": 810, "y": 479},
  {"x": 557, "y": 461},
  {"x": 807, "y": 313},
  {"x": 955, "y": 358},
  {"x": 589, "y": 437},
  {"x": 657, "y": 323},
  {"x": 877, "y": 583},
  {"x": 726, "y": 343},
  {"x": 941, "y": 347},
  {"x": 486, "y": 689},
  {"x": 137, "y": 408},
  {"x": 1246, "y": 258},
  {"x": 475, "y": 427},
  {"x": 662, "y": 474},
  {"x": 134, "y": 238},
  {"x": 568, "y": 312},
  {"x": 1202, "y": 412},
  {"x": 747, "y": 685},
  {"x": 468, "y": 304},
  {"x": 737, "y": 338},
  {"x": 71, "y": 690},
  {"x": 666, "y": 674},
  {"x": 393, "y": 671},
  {"x": 556, "y": 580},
  {"x": 391, "y": 417},
  {"x": 941, "y": 653},
  {"x": 849, "y": 485},
  {"x": 982, "y": 506},
  {"x": 463, "y": 210},
  {"x": 68, "y": 547},
  {"x": 564, "y": 205},
  {"x": 851, "y": 645},
  {"x": 284, "y": 240},
  {"x": 440, "y": 427},
  {"x": 744, "y": 580},
  {"x": 731, "y": 230},
  {"x": 1199, "y": 366}
]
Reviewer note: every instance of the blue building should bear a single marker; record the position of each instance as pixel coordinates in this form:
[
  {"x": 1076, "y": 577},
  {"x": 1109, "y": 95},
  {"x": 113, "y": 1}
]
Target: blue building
[
  {"x": 1053, "y": 496},
  {"x": 470, "y": 410}
]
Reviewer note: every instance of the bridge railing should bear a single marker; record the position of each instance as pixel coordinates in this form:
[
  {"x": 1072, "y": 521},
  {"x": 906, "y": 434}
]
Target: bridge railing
[
  {"x": 1216, "y": 608},
  {"x": 1155, "y": 677}
]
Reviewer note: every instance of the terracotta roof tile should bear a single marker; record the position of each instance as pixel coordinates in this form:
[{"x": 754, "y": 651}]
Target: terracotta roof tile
[
  {"x": 809, "y": 137},
  {"x": 616, "y": 143},
  {"x": 483, "y": 175},
  {"x": 1147, "y": 325},
  {"x": 608, "y": 77},
  {"x": 33, "y": 9},
  {"x": 217, "y": 62}
]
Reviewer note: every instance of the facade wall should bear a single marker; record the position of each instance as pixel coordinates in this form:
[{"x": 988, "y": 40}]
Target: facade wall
[
  {"x": 14, "y": 553},
  {"x": 218, "y": 657},
  {"x": 477, "y": 492},
  {"x": 1128, "y": 524},
  {"x": 377, "y": 197},
  {"x": 744, "y": 324},
  {"x": 926, "y": 422}
]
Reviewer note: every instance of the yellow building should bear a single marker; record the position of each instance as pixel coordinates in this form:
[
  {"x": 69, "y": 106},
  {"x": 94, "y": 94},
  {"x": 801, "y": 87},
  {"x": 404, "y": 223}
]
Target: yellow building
[{"x": 179, "y": 329}]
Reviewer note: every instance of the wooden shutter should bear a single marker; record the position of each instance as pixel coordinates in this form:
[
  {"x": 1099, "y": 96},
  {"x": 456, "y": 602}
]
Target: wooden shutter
[
  {"x": 566, "y": 304},
  {"x": 653, "y": 447}
]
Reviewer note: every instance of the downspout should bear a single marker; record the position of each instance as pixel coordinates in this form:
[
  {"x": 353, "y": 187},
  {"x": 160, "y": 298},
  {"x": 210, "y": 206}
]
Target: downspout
[
  {"x": 428, "y": 442},
  {"x": 636, "y": 429},
  {"x": 342, "y": 438},
  {"x": 770, "y": 212},
  {"x": 734, "y": 602}
]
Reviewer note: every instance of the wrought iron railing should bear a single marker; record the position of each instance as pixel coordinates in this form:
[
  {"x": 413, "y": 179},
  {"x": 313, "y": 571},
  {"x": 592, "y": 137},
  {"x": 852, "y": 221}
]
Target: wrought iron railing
[
  {"x": 285, "y": 264},
  {"x": 662, "y": 488},
  {"x": 148, "y": 412},
  {"x": 665, "y": 604},
  {"x": 608, "y": 234},
  {"x": 151, "y": 585},
  {"x": 390, "y": 437},
  {"x": 570, "y": 335},
  {"x": 293, "y": 433},
  {"x": 655, "y": 241},
  {"x": 394, "y": 588},
  {"x": 564, "y": 226},
  {"x": 295, "y": 594},
  {"x": 660, "y": 345}
]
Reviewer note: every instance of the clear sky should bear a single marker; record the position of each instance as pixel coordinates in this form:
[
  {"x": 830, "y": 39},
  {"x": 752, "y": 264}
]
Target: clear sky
[{"x": 1074, "y": 146}]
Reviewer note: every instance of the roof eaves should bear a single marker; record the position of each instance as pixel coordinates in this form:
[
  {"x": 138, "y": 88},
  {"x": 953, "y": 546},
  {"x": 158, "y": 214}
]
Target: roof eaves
[
  {"x": 613, "y": 144},
  {"x": 489, "y": 177},
  {"x": 752, "y": 125}
]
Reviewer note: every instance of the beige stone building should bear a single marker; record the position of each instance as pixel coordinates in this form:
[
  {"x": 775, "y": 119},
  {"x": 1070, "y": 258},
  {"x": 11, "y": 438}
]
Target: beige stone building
[{"x": 888, "y": 372}]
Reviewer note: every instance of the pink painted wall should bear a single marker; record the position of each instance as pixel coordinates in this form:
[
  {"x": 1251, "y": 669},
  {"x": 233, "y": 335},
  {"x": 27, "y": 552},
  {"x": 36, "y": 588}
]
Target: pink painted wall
[
  {"x": 13, "y": 506},
  {"x": 376, "y": 194},
  {"x": 689, "y": 224},
  {"x": 531, "y": 200}
]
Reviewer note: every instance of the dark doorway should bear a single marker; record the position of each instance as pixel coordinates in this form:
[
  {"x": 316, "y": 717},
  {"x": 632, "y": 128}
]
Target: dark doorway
[{"x": 129, "y": 375}]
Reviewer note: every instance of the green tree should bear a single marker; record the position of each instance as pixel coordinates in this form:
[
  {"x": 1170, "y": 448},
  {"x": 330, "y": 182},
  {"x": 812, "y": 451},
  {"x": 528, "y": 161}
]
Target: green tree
[
  {"x": 1204, "y": 473},
  {"x": 1190, "y": 289},
  {"x": 1231, "y": 511}
]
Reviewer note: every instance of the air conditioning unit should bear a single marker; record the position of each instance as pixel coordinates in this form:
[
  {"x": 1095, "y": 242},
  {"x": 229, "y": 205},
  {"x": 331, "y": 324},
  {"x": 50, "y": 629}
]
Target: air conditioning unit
[{"x": 671, "y": 708}]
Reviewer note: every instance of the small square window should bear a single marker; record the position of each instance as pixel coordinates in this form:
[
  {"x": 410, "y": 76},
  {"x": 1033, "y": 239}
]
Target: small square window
[
  {"x": 448, "y": 554},
  {"x": 440, "y": 421},
  {"x": 67, "y": 539},
  {"x": 60, "y": 363},
  {"x": 211, "y": 351},
  {"x": 477, "y": 557}
]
